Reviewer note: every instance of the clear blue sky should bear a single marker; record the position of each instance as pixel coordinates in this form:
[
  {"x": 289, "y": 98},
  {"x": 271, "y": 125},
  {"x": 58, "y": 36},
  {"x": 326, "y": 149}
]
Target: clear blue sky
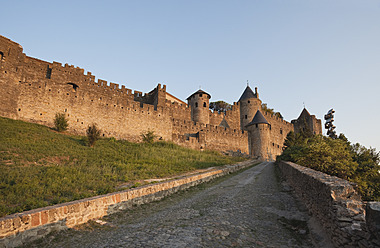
[{"x": 324, "y": 53}]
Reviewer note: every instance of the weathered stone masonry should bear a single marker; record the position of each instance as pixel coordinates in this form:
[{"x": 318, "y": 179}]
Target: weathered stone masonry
[
  {"x": 34, "y": 90},
  {"x": 335, "y": 203}
]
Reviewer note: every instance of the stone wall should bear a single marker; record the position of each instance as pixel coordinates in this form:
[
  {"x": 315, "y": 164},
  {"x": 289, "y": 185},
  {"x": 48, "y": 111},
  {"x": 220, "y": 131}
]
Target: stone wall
[
  {"x": 21, "y": 228},
  {"x": 34, "y": 90},
  {"x": 335, "y": 203},
  {"x": 279, "y": 129}
]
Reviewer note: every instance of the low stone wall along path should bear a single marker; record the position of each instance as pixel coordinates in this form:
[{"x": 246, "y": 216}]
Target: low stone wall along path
[{"x": 250, "y": 209}]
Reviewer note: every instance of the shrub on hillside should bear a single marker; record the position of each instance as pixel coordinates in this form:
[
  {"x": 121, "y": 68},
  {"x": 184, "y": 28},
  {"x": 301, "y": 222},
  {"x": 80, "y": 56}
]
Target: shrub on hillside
[
  {"x": 148, "y": 137},
  {"x": 336, "y": 157},
  {"x": 60, "y": 122},
  {"x": 93, "y": 134}
]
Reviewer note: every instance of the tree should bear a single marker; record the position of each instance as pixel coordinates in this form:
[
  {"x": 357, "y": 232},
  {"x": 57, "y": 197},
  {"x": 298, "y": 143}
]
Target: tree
[
  {"x": 60, "y": 122},
  {"x": 220, "y": 106},
  {"x": 265, "y": 108},
  {"x": 337, "y": 157},
  {"x": 93, "y": 134}
]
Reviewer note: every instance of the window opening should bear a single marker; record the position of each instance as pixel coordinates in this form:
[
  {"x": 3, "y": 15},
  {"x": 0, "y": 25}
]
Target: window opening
[
  {"x": 48, "y": 72},
  {"x": 204, "y": 104},
  {"x": 75, "y": 87}
]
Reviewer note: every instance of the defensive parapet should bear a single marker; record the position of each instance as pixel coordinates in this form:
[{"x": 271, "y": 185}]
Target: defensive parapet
[{"x": 125, "y": 114}]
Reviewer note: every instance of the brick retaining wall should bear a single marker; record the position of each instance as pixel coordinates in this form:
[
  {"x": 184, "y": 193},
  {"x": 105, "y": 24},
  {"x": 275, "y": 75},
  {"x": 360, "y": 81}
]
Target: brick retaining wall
[
  {"x": 348, "y": 220},
  {"x": 21, "y": 228}
]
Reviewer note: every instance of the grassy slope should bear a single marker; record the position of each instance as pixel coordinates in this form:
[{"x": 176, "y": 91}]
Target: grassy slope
[{"x": 40, "y": 167}]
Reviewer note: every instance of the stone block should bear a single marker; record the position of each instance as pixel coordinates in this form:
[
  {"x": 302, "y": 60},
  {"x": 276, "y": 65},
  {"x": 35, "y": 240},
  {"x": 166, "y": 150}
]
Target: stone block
[
  {"x": 26, "y": 219},
  {"x": 17, "y": 223},
  {"x": 35, "y": 219},
  {"x": 44, "y": 217},
  {"x": 373, "y": 218}
]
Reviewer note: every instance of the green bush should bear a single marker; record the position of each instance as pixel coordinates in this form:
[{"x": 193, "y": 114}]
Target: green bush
[
  {"x": 148, "y": 137},
  {"x": 336, "y": 157},
  {"x": 93, "y": 134},
  {"x": 60, "y": 122}
]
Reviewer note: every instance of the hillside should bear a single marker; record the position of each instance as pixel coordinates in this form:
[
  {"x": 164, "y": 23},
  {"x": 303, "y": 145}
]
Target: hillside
[{"x": 40, "y": 167}]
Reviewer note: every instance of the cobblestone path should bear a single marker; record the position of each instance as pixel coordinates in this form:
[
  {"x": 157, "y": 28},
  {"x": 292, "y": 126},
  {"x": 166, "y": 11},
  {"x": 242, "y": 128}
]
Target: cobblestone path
[{"x": 249, "y": 209}]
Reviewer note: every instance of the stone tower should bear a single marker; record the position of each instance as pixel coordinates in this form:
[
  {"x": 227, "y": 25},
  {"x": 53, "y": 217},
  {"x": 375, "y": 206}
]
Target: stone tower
[
  {"x": 249, "y": 104},
  {"x": 199, "y": 104},
  {"x": 259, "y": 137},
  {"x": 307, "y": 123}
]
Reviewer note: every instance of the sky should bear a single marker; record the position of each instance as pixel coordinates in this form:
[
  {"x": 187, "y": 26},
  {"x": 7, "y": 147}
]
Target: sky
[{"x": 320, "y": 54}]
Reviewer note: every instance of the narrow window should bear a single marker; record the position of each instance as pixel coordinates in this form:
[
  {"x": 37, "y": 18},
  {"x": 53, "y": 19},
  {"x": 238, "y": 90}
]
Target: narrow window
[
  {"x": 204, "y": 104},
  {"x": 1, "y": 55},
  {"x": 257, "y": 126},
  {"x": 249, "y": 101},
  {"x": 280, "y": 131},
  {"x": 48, "y": 72},
  {"x": 200, "y": 95},
  {"x": 246, "y": 117},
  {"x": 196, "y": 105}
]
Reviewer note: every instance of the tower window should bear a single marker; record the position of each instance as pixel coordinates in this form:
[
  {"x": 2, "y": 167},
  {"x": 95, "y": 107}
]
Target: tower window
[
  {"x": 200, "y": 95},
  {"x": 280, "y": 131},
  {"x": 246, "y": 117},
  {"x": 1, "y": 55},
  {"x": 204, "y": 104},
  {"x": 196, "y": 105},
  {"x": 249, "y": 101},
  {"x": 48, "y": 72}
]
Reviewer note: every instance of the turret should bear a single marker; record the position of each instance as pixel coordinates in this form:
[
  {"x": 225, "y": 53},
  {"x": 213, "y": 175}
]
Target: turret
[
  {"x": 258, "y": 137},
  {"x": 249, "y": 104},
  {"x": 199, "y": 104},
  {"x": 307, "y": 123}
]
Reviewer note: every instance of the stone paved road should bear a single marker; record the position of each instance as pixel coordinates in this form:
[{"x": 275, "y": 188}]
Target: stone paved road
[{"x": 249, "y": 209}]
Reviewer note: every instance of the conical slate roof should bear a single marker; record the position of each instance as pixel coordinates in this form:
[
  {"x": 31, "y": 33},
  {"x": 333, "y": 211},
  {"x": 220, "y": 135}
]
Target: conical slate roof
[
  {"x": 248, "y": 93},
  {"x": 224, "y": 123},
  {"x": 258, "y": 119},
  {"x": 199, "y": 92},
  {"x": 304, "y": 114}
]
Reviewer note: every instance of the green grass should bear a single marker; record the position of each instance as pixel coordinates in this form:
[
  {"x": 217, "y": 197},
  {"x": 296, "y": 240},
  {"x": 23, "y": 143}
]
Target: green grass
[{"x": 40, "y": 167}]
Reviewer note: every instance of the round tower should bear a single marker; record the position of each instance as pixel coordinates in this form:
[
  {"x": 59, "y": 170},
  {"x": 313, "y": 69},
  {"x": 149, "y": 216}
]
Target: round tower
[
  {"x": 249, "y": 104},
  {"x": 259, "y": 137},
  {"x": 199, "y": 104}
]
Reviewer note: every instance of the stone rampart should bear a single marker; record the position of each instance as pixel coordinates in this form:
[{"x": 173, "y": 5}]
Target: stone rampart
[
  {"x": 21, "y": 228},
  {"x": 335, "y": 203}
]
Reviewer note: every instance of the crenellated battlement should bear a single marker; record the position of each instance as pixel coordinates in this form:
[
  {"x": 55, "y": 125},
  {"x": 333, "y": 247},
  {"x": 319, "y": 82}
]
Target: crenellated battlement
[{"x": 124, "y": 113}]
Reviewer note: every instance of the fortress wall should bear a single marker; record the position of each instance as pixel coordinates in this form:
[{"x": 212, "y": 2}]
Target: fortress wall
[
  {"x": 11, "y": 59},
  {"x": 338, "y": 207},
  {"x": 22, "y": 228},
  {"x": 225, "y": 139},
  {"x": 216, "y": 118},
  {"x": 231, "y": 116},
  {"x": 277, "y": 133},
  {"x": 209, "y": 136},
  {"x": 114, "y": 115},
  {"x": 178, "y": 111}
]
